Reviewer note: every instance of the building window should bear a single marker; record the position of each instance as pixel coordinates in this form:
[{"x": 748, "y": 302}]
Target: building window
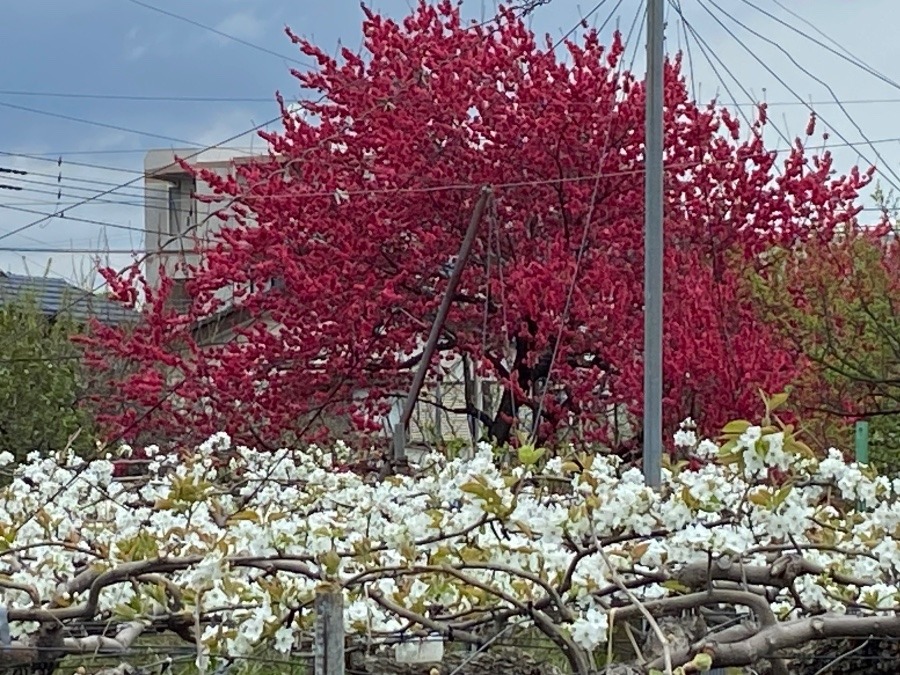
[
  {"x": 179, "y": 299},
  {"x": 181, "y": 204},
  {"x": 273, "y": 284}
]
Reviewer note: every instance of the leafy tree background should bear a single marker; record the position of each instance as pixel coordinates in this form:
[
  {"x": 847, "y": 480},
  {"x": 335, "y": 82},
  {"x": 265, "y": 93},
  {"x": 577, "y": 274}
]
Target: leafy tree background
[
  {"x": 42, "y": 383},
  {"x": 838, "y": 302}
]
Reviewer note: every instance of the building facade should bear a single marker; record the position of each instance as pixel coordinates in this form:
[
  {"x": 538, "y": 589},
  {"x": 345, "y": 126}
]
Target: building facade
[
  {"x": 175, "y": 221},
  {"x": 174, "y": 218}
]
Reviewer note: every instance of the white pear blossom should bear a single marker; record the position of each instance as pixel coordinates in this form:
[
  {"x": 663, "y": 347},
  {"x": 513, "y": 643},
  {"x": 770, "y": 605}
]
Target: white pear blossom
[
  {"x": 256, "y": 536},
  {"x": 589, "y": 630}
]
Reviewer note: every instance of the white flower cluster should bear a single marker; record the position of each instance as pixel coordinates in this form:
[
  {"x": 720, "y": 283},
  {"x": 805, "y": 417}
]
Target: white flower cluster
[{"x": 249, "y": 536}]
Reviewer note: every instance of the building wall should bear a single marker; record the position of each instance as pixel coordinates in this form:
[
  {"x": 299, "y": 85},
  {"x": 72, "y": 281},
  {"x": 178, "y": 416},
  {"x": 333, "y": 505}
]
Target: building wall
[
  {"x": 173, "y": 219},
  {"x": 429, "y": 423}
]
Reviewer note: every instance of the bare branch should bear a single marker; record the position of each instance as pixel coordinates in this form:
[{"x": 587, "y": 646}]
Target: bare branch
[
  {"x": 780, "y": 574},
  {"x": 790, "y": 634}
]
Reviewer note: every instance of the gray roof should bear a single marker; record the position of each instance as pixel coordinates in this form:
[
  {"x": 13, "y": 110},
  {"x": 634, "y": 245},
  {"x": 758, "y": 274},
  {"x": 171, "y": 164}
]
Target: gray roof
[{"x": 54, "y": 296}]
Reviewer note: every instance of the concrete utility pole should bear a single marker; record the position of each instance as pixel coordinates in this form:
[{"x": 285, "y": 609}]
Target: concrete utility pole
[
  {"x": 653, "y": 244},
  {"x": 399, "y": 440}
]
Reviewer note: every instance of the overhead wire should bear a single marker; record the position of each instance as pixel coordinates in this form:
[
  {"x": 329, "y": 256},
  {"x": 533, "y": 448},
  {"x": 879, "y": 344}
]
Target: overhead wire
[
  {"x": 220, "y": 33},
  {"x": 120, "y": 186},
  {"x": 839, "y": 49},
  {"x": 71, "y": 251},
  {"x": 76, "y": 219},
  {"x": 637, "y": 41},
  {"x": 591, "y": 12},
  {"x": 893, "y": 179},
  {"x": 710, "y": 55},
  {"x": 582, "y": 249},
  {"x": 495, "y": 18},
  {"x": 271, "y": 99},
  {"x": 57, "y": 159},
  {"x": 176, "y": 386},
  {"x": 54, "y": 156},
  {"x": 94, "y": 123},
  {"x": 676, "y": 5},
  {"x": 137, "y": 97},
  {"x": 140, "y": 177},
  {"x": 452, "y": 186},
  {"x": 62, "y": 188},
  {"x": 103, "y": 167},
  {"x": 58, "y": 176}
]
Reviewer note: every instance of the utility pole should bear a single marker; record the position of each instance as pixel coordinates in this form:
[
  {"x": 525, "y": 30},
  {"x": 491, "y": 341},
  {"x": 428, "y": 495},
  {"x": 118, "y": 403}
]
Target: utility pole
[
  {"x": 653, "y": 244},
  {"x": 399, "y": 439}
]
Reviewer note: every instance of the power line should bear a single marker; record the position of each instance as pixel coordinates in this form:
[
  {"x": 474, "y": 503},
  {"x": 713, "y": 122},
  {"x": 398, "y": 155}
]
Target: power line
[
  {"x": 57, "y": 182},
  {"x": 105, "y": 167},
  {"x": 841, "y": 51},
  {"x": 220, "y": 33},
  {"x": 327, "y": 193},
  {"x": 138, "y": 97},
  {"x": 135, "y": 180},
  {"x": 121, "y": 186},
  {"x": 260, "y": 99},
  {"x": 51, "y": 155},
  {"x": 62, "y": 216},
  {"x": 60, "y": 194},
  {"x": 591, "y": 12},
  {"x": 174, "y": 389},
  {"x": 710, "y": 55},
  {"x": 849, "y": 101},
  {"x": 103, "y": 125},
  {"x": 807, "y": 72},
  {"x": 86, "y": 250},
  {"x": 57, "y": 157}
]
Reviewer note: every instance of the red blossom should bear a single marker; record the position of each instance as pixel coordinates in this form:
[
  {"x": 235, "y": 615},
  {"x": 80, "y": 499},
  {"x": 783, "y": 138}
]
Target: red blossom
[{"x": 363, "y": 202}]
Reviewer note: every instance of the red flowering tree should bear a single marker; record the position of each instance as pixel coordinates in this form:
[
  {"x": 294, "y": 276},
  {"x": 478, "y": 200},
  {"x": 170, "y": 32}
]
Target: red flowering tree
[{"x": 363, "y": 202}]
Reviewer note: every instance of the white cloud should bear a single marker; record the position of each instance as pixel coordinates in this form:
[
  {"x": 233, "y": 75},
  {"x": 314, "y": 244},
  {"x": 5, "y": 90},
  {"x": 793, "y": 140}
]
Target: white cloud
[
  {"x": 137, "y": 43},
  {"x": 243, "y": 24}
]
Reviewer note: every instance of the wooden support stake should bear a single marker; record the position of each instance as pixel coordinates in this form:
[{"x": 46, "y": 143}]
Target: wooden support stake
[{"x": 329, "y": 648}]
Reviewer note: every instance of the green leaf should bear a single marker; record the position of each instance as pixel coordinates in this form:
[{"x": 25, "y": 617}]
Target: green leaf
[
  {"x": 737, "y": 427},
  {"x": 470, "y": 554},
  {"x": 781, "y": 495},
  {"x": 760, "y": 497},
  {"x": 638, "y": 551},
  {"x": 529, "y": 455},
  {"x": 702, "y": 662},
  {"x": 689, "y": 499},
  {"x": 675, "y": 586},
  {"x": 524, "y": 527},
  {"x": 776, "y": 402},
  {"x": 571, "y": 467},
  {"x": 489, "y": 495},
  {"x": 247, "y": 514},
  {"x": 473, "y": 487},
  {"x": 124, "y": 612},
  {"x": 330, "y": 561}
]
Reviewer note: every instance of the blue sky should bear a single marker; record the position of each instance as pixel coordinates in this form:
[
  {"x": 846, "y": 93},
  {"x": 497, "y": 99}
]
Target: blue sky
[{"x": 66, "y": 57}]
